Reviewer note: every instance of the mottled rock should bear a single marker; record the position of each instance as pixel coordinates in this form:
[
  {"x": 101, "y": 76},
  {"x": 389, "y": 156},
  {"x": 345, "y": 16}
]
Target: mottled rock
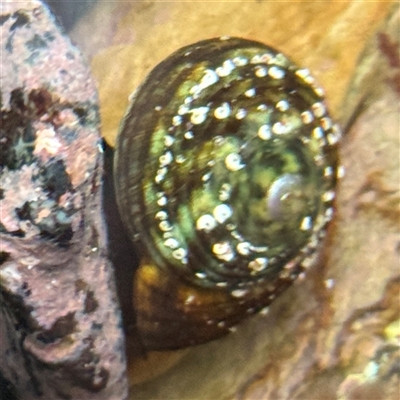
[{"x": 60, "y": 327}]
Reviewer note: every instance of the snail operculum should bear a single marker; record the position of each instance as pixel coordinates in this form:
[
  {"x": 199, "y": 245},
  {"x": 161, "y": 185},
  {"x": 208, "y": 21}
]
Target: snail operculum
[{"x": 226, "y": 166}]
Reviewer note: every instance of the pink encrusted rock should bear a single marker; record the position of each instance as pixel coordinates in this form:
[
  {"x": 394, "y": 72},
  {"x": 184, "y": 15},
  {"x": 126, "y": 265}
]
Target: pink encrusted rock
[{"x": 60, "y": 325}]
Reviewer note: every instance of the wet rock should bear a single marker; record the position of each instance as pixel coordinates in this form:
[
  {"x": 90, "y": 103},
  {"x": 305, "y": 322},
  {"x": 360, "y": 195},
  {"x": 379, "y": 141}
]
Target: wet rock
[{"x": 60, "y": 324}]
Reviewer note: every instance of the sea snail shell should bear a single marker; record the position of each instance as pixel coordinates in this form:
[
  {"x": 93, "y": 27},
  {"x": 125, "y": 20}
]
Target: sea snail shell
[{"x": 225, "y": 170}]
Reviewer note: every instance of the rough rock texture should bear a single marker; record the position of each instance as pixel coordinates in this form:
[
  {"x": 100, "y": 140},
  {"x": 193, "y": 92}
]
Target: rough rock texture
[
  {"x": 334, "y": 334},
  {"x": 60, "y": 335}
]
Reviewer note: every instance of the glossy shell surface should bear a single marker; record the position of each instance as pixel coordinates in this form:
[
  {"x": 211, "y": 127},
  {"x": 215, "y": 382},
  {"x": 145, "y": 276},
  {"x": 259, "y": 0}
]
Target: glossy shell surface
[{"x": 225, "y": 173}]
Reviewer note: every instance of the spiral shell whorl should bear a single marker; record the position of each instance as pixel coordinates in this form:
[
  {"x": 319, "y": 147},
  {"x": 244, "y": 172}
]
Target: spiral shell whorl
[{"x": 226, "y": 165}]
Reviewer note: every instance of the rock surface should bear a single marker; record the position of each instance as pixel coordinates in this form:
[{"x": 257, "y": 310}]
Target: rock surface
[{"x": 60, "y": 330}]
